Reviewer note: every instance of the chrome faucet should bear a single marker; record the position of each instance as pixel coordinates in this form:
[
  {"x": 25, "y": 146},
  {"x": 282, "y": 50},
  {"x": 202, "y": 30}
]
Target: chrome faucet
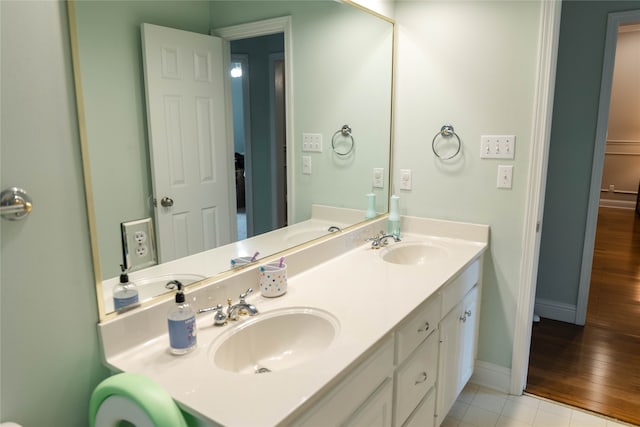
[
  {"x": 241, "y": 307},
  {"x": 220, "y": 318},
  {"x": 380, "y": 240}
]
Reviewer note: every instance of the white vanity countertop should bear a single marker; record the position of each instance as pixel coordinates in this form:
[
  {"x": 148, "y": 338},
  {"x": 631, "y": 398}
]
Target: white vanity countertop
[{"x": 367, "y": 295}]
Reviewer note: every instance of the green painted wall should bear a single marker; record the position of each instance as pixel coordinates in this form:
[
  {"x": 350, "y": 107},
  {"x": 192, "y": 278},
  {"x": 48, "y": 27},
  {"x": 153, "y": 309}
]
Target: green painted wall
[
  {"x": 50, "y": 356},
  {"x": 575, "y": 113},
  {"x": 471, "y": 64}
]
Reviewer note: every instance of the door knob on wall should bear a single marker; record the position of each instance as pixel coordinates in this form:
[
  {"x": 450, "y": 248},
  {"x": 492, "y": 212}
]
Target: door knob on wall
[{"x": 15, "y": 204}]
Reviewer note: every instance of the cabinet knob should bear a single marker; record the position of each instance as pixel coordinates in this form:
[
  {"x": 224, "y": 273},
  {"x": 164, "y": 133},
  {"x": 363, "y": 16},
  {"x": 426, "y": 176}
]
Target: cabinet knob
[
  {"x": 424, "y": 328},
  {"x": 422, "y": 378}
]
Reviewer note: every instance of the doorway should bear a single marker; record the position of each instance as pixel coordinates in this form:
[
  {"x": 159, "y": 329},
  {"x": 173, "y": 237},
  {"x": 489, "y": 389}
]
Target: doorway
[
  {"x": 269, "y": 103},
  {"x": 593, "y": 366}
]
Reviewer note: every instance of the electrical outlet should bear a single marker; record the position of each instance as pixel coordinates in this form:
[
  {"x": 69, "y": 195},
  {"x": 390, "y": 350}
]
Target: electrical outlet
[
  {"x": 312, "y": 142},
  {"x": 378, "y": 177},
  {"x": 505, "y": 176},
  {"x": 138, "y": 244},
  {"x": 497, "y": 146}
]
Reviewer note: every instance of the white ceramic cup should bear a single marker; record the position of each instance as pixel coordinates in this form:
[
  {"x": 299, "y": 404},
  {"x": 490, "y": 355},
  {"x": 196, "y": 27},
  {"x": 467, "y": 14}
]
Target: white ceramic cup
[{"x": 272, "y": 280}]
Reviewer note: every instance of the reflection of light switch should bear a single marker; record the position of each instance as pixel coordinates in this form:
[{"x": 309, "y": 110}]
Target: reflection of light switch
[
  {"x": 306, "y": 165},
  {"x": 405, "y": 179},
  {"x": 378, "y": 177}
]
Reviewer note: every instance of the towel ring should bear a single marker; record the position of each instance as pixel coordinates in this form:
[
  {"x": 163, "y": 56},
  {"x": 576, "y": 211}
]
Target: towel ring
[
  {"x": 446, "y": 131},
  {"x": 345, "y": 131}
]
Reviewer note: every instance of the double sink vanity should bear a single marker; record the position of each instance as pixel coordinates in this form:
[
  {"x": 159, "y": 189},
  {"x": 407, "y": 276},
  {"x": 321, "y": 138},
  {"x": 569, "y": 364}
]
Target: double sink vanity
[{"x": 363, "y": 336}]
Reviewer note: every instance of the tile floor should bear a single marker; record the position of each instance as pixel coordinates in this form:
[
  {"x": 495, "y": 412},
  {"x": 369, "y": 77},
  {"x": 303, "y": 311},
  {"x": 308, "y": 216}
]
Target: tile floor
[{"x": 481, "y": 407}]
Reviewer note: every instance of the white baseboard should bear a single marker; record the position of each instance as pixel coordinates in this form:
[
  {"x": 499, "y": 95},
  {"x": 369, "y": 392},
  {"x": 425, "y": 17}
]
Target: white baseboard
[
  {"x": 492, "y": 376},
  {"x": 555, "y": 310},
  {"x": 621, "y": 204}
]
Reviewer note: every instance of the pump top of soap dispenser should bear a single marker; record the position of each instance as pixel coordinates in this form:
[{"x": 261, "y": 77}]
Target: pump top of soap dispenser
[{"x": 175, "y": 284}]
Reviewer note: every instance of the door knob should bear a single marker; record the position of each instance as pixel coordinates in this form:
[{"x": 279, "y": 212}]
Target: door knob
[{"x": 166, "y": 202}]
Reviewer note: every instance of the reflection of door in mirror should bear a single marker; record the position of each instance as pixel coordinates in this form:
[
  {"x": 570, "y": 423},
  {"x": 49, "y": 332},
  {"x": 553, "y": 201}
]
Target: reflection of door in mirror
[
  {"x": 186, "y": 114},
  {"x": 259, "y": 130}
]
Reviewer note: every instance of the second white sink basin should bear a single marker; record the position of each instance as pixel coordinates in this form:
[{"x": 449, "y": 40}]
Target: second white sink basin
[
  {"x": 274, "y": 341},
  {"x": 413, "y": 253}
]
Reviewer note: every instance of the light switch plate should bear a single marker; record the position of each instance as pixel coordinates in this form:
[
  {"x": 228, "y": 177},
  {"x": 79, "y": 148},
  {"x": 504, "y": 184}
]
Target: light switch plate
[
  {"x": 405, "y": 179},
  {"x": 378, "y": 177},
  {"x": 138, "y": 244},
  {"x": 497, "y": 146},
  {"x": 505, "y": 176},
  {"x": 312, "y": 142},
  {"x": 306, "y": 165}
]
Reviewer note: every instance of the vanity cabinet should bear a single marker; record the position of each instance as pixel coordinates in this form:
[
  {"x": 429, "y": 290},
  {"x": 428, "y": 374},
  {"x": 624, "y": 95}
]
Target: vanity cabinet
[{"x": 413, "y": 379}]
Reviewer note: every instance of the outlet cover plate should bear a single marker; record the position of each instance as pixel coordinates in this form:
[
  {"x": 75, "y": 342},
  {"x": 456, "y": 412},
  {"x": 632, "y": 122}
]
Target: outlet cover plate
[{"x": 138, "y": 244}]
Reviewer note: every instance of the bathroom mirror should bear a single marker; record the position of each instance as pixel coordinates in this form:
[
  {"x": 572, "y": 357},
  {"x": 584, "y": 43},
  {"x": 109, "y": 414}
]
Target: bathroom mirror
[{"x": 340, "y": 65}]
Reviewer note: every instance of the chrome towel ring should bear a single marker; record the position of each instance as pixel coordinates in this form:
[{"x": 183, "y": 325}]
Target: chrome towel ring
[
  {"x": 446, "y": 131},
  {"x": 345, "y": 132}
]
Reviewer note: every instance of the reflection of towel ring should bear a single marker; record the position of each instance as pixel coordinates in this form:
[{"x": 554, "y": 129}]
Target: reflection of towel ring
[
  {"x": 345, "y": 131},
  {"x": 447, "y": 132}
]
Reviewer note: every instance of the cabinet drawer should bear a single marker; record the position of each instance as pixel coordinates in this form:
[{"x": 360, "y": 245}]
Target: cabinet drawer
[
  {"x": 418, "y": 327},
  {"x": 424, "y": 415},
  {"x": 376, "y": 411},
  {"x": 458, "y": 288},
  {"x": 353, "y": 391},
  {"x": 415, "y": 378}
]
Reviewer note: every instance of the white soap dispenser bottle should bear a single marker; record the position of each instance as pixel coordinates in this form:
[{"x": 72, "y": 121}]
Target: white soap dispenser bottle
[
  {"x": 125, "y": 293},
  {"x": 182, "y": 323},
  {"x": 394, "y": 216}
]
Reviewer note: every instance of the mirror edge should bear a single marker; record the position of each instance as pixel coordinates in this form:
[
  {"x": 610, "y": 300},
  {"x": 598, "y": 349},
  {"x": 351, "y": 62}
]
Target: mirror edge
[{"x": 84, "y": 152}]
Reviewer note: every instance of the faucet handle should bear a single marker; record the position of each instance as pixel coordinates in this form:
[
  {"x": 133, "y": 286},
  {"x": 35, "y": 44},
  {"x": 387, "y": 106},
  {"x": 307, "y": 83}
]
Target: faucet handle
[{"x": 244, "y": 295}]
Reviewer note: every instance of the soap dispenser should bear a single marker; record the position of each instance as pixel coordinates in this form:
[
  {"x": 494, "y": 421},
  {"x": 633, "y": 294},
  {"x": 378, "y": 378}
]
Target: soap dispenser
[
  {"x": 371, "y": 206},
  {"x": 394, "y": 216},
  {"x": 125, "y": 293},
  {"x": 182, "y": 323}
]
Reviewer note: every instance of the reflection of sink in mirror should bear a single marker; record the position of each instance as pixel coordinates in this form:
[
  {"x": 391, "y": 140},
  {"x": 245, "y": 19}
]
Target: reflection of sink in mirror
[
  {"x": 274, "y": 341},
  {"x": 299, "y": 237},
  {"x": 149, "y": 287},
  {"x": 413, "y": 253}
]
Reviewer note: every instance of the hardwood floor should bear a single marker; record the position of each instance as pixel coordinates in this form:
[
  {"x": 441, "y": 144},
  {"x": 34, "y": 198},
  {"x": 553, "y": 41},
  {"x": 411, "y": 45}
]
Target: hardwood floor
[{"x": 597, "y": 367}]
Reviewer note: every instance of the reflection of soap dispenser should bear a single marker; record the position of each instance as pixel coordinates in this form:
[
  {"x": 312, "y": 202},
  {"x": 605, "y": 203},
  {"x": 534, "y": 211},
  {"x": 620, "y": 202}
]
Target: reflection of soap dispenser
[
  {"x": 371, "y": 206},
  {"x": 125, "y": 294},
  {"x": 182, "y": 323},
  {"x": 394, "y": 216}
]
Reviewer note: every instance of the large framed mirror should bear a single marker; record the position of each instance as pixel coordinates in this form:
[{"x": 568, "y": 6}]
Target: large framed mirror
[{"x": 334, "y": 61}]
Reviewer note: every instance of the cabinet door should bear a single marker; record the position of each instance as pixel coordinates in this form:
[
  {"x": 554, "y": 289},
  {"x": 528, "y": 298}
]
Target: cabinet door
[
  {"x": 467, "y": 338},
  {"x": 458, "y": 332},
  {"x": 448, "y": 361},
  {"x": 376, "y": 411}
]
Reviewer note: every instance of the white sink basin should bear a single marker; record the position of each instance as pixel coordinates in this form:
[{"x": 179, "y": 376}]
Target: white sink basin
[
  {"x": 274, "y": 341},
  {"x": 413, "y": 253}
]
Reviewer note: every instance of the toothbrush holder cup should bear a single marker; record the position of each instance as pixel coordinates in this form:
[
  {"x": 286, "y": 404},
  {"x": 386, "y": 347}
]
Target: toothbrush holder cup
[{"x": 272, "y": 279}]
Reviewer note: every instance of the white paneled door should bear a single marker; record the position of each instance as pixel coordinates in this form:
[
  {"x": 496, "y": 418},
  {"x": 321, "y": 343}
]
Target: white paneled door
[{"x": 187, "y": 140}]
